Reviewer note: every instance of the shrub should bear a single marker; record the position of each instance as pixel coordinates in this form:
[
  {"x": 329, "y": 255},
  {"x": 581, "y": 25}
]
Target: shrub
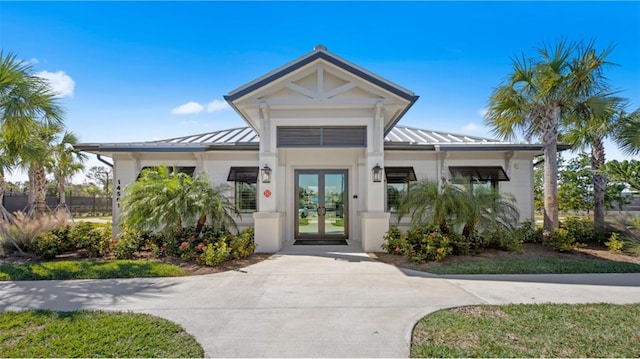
[
  {"x": 580, "y": 228},
  {"x": 243, "y": 244},
  {"x": 215, "y": 254},
  {"x": 92, "y": 237},
  {"x": 562, "y": 241},
  {"x": 129, "y": 242},
  {"x": 394, "y": 241},
  {"x": 614, "y": 244},
  {"x": 501, "y": 238},
  {"x": 528, "y": 232},
  {"x": 464, "y": 246},
  {"x": 425, "y": 244},
  {"x": 163, "y": 244},
  {"x": 48, "y": 245}
]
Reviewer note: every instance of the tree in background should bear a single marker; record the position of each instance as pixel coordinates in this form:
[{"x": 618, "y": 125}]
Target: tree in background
[
  {"x": 99, "y": 176},
  {"x": 593, "y": 120},
  {"x": 625, "y": 171},
  {"x": 66, "y": 162},
  {"x": 576, "y": 192},
  {"x": 575, "y": 189},
  {"x": 535, "y": 100}
]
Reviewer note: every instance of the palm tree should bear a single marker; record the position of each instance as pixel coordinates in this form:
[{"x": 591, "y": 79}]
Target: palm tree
[
  {"x": 25, "y": 101},
  {"x": 37, "y": 157},
  {"x": 66, "y": 161},
  {"x": 591, "y": 123},
  {"x": 213, "y": 204},
  {"x": 485, "y": 209},
  {"x": 628, "y": 134},
  {"x": 165, "y": 201},
  {"x": 537, "y": 97},
  {"x": 431, "y": 203},
  {"x": 450, "y": 205}
]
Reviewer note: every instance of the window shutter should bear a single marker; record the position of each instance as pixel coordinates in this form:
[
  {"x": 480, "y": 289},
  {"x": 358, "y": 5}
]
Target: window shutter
[{"x": 339, "y": 136}]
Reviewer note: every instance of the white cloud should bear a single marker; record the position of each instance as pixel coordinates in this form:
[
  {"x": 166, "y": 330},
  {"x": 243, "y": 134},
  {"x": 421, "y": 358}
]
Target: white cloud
[
  {"x": 33, "y": 61},
  {"x": 188, "y": 108},
  {"x": 216, "y": 105},
  {"x": 482, "y": 112},
  {"x": 60, "y": 82},
  {"x": 472, "y": 127}
]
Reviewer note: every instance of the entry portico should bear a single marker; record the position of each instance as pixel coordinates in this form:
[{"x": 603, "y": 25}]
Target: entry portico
[
  {"x": 321, "y": 113},
  {"x": 325, "y": 132}
]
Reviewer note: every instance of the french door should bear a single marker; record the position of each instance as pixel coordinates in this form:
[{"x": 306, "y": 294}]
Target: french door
[{"x": 321, "y": 202}]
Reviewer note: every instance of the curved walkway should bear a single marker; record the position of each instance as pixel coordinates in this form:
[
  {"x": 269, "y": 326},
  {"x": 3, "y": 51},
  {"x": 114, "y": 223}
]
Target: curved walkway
[{"x": 311, "y": 301}]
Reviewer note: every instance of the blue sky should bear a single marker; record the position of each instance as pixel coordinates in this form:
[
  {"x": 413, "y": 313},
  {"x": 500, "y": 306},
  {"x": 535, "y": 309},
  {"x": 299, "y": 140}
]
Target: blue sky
[{"x": 126, "y": 70}]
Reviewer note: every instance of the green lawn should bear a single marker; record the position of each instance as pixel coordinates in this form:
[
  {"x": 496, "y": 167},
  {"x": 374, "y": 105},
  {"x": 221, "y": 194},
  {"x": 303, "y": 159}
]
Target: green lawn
[
  {"x": 526, "y": 330},
  {"x": 88, "y": 270},
  {"x": 90, "y": 334},
  {"x": 538, "y": 266}
]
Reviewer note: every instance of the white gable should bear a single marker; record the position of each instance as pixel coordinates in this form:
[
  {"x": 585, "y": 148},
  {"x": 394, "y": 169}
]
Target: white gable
[{"x": 315, "y": 86}]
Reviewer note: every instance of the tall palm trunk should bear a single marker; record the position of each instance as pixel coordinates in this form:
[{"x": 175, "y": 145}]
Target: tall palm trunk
[
  {"x": 31, "y": 194},
  {"x": 39, "y": 188},
  {"x": 599, "y": 183},
  {"x": 3, "y": 186},
  {"x": 550, "y": 148},
  {"x": 62, "y": 186}
]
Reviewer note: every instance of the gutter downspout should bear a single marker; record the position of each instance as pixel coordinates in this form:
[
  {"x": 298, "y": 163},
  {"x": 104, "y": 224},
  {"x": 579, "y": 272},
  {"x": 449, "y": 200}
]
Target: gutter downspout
[{"x": 105, "y": 162}]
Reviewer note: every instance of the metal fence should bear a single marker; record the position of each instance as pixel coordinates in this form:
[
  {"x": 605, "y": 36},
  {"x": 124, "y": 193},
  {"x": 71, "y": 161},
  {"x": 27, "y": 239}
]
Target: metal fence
[{"x": 18, "y": 201}]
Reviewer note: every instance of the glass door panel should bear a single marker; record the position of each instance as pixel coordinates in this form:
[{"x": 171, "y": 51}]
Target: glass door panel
[
  {"x": 321, "y": 204},
  {"x": 334, "y": 190},
  {"x": 307, "y": 204}
]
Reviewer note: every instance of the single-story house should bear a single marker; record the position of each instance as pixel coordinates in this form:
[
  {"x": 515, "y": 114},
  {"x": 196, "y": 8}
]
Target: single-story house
[{"x": 323, "y": 155}]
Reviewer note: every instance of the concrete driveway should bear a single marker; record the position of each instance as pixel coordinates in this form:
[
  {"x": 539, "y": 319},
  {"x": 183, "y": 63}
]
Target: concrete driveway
[{"x": 311, "y": 301}]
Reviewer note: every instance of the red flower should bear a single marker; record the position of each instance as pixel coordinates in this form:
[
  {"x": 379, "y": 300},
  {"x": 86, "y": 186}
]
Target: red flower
[
  {"x": 192, "y": 238},
  {"x": 200, "y": 246},
  {"x": 183, "y": 246},
  {"x": 397, "y": 249},
  {"x": 432, "y": 234},
  {"x": 163, "y": 249}
]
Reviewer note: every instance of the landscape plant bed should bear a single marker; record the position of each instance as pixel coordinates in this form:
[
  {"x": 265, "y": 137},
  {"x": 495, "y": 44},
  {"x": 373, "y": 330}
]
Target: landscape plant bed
[
  {"x": 530, "y": 330},
  {"x": 87, "y": 334},
  {"x": 74, "y": 266},
  {"x": 535, "y": 259}
]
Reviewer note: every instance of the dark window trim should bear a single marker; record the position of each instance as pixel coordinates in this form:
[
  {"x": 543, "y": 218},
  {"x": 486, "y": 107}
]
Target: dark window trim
[
  {"x": 243, "y": 174},
  {"x": 400, "y": 174},
  {"x": 481, "y": 173}
]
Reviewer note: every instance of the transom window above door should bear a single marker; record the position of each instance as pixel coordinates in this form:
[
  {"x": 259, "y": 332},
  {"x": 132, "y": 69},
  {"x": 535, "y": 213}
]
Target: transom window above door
[{"x": 327, "y": 136}]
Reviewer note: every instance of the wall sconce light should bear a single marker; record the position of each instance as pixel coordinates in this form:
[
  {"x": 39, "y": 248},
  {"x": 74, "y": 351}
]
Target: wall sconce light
[
  {"x": 265, "y": 174},
  {"x": 377, "y": 173}
]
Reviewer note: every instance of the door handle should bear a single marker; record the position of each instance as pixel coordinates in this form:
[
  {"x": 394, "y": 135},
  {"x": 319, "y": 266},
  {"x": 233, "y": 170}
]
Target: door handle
[{"x": 322, "y": 211}]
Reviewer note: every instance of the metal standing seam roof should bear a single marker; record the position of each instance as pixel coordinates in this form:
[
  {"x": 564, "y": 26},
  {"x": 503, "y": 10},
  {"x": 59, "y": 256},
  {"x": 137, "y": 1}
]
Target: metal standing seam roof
[
  {"x": 245, "y": 138},
  {"x": 399, "y": 134}
]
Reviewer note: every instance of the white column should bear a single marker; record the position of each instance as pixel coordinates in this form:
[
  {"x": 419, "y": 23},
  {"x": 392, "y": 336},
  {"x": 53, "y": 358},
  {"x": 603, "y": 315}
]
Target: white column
[
  {"x": 268, "y": 220},
  {"x": 374, "y": 220}
]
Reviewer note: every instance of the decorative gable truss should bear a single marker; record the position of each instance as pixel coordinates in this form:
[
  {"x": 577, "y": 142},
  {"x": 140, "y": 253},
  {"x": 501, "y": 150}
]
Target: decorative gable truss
[{"x": 321, "y": 85}]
